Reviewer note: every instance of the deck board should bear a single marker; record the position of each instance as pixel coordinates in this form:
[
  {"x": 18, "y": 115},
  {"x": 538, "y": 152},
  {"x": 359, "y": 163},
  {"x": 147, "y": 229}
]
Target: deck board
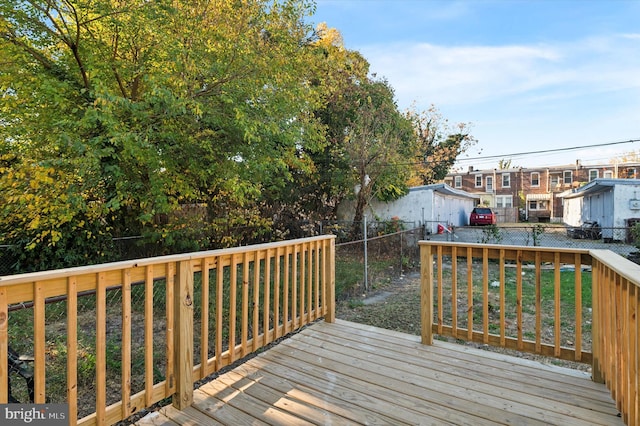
[{"x": 346, "y": 373}]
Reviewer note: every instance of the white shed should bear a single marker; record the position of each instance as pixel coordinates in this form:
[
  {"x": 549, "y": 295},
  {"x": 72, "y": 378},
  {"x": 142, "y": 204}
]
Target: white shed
[
  {"x": 427, "y": 204},
  {"x": 613, "y": 203}
]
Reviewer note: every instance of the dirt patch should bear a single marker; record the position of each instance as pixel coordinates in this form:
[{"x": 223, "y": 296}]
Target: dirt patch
[{"x": 394, "y": 305}]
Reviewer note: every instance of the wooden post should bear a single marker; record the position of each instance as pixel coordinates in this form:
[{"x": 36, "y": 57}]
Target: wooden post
[
  {"x": 39, "y": 322},
  {"x": 183, "y": 336},
  {"x": 4, "y": 346},
  {"x": 125, "y": 347},
  {"x": 72, "y": 346},
  {"x": 101, "y": 348},
  {"x": 426, "y": 293},
  {"x": 596, "y": 348},
  {"x": 330, "y": 279}
]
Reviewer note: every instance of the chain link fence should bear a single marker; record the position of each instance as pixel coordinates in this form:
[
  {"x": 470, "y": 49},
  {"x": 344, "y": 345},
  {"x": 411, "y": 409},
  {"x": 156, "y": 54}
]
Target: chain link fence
[
  {"x": 363, "y": 265},
  {"x": 621, "y": 240},
  {"x": 136, "y": 247},
  {"x": 7, "y": 260}
]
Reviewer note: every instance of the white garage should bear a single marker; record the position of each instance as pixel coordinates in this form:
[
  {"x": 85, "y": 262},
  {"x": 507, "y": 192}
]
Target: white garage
[
  {"x": 613, "y": 203},
  {"x": 427, "y": 205}
]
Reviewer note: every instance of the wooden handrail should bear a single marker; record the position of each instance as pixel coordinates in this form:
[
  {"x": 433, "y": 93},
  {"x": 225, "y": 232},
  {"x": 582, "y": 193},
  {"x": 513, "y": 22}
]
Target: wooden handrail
[
  {"x": 615, "y": 298},
  {"x": 246, "y": 298},
  {"x": 616, "y": 358},
  {"x": 466, "y": 283}
]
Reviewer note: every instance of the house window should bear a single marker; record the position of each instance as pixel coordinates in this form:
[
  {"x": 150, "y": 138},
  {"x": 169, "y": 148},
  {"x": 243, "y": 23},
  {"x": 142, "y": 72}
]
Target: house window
[
  {"x": 567, "y": 177},
  {"x": 631, "y": 173},
  {"x": 478, "y": 181},
  {"x": 535, "y": 179},
  {"x": 457, "y": 181},
  {"x": 593, "y": 174},
  {"x": 538, "y": 205},
  {"x": 489, "y": 182},
  {"x": 504, "y": 201},
  {"x": 608, "y": 174},
  {"x": 555, "y": 180},
  {"x": 506, "y": 180}
]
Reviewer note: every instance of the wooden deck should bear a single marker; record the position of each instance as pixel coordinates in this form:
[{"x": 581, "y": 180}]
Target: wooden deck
[{"x": 347, "y": 373}]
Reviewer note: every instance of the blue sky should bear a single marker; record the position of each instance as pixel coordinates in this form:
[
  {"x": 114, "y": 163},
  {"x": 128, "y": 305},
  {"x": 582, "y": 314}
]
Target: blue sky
[{"x": 528, "y": 75}]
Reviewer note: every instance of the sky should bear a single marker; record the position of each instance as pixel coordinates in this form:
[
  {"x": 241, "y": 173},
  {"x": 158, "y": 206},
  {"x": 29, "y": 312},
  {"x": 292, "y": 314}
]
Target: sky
[{"x": 528, "y": 76}]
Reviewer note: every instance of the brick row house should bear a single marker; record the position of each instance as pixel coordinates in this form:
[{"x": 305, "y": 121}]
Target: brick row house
[{"x": 531, "y": 194}]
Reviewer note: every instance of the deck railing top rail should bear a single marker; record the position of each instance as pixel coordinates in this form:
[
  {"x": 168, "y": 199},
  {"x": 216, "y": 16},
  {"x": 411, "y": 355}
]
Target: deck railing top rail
[
  {"x": 135, "y": 263},
  {"x": 510, "y": 250},
  {"x": 619, "y": 265}
]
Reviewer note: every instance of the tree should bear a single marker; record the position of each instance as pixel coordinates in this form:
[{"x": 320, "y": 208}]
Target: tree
[
  {"x": 377, "y": 139},
  {"x": 504, "y": 164},
  {"x": 627, "y": 157},
  {"x": 385, "y": 167},
  {"x": 437, "y": 145},
  {"x": 315, "y": 190},
  {"x": 145, "y": 107},
  {"x": 336, "y": 75}
]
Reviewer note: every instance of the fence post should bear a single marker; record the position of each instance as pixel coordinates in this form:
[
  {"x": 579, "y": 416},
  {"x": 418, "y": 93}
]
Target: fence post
[
  {"x": 4, "y": 346},
  {"x": 596, "y": 323},
  {"x": 329, "y": 251},
  {"x": 401, "y": 265},
  {"x": 366, "y": 259},
  {"x": 183, "y": 336},
  {"x": 426, "y": 293}
]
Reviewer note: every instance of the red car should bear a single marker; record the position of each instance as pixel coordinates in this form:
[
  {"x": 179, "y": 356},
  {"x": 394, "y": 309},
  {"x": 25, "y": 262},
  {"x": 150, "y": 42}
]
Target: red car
[{"x": 482, "y": 216}]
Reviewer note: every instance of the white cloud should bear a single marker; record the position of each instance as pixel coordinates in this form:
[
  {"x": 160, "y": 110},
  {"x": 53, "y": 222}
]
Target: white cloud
[
  {"x": 469, "y": 74},
  {"x": 444, "y": 75}
]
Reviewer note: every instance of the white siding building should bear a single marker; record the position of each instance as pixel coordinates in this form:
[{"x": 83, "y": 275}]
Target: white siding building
[
  {"x": 424, "y": 205},
  {"x": 613, "y": 203}
]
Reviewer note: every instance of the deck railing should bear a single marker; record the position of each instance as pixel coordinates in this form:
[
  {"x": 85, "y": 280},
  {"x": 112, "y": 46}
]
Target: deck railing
[
  {"x": 153, "y": 327},
  {"x": 575, "y": 305},
  {"x": 616, "y": 330}
]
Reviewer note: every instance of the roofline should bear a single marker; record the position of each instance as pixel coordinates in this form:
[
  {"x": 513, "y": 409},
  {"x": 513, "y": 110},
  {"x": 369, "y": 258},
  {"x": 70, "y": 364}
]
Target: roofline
[
  {"x": 445, "y": 189},
  {"x": 600, "y": 185},
  {"x": 558, "y": 168}
]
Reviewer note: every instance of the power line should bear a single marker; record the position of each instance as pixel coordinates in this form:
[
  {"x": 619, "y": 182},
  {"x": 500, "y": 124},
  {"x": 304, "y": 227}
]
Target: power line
[
  {"x": 517, "y": 154},
  {"x": 546, "y": 151}
]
